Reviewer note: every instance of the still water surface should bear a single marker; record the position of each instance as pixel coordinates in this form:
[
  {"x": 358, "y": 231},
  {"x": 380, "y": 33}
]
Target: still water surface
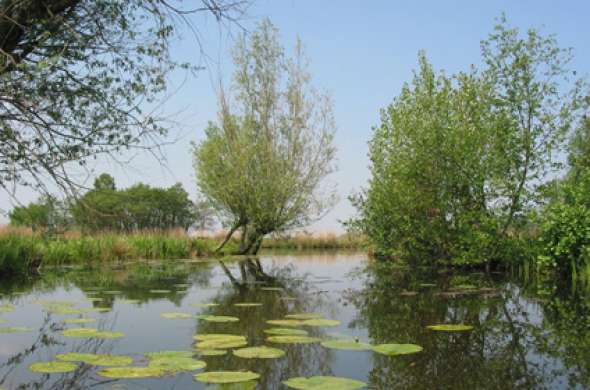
[{"x": 526, "y": 335}]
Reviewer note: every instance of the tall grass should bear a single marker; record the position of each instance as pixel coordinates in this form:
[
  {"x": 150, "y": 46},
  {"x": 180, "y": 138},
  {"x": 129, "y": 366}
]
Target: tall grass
[{"x": 325, "y": 241}]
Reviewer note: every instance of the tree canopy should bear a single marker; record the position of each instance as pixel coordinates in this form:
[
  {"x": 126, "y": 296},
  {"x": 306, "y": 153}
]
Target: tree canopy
[{"x": 262, "y": 163}]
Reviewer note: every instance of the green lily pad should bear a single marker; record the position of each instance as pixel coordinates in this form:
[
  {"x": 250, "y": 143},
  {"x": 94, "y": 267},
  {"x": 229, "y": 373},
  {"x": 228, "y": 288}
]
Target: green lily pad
[
  {"x": 226, "y": 376},
  {"x": 218, "y": 336},
  {"x": 2, "y": 321},
  {"x": 96, "y": 359},
  {"x": 112, "y": 292},
  {"x": 131, "y": 372},
  {"x": 324, "y": 383},
  {"x": 182, "y": 285},
  {"x": 286, "y": 332},
  {"x": 203, "y": 305},
  {"x": 259, "y": 352},
  {"x": 221, "y": 344},
  {"x": 303, "y": 316},
  {"x": 397, "y": 349},
  {"x": 160, "y": 291},
  {"x": 169, "y": 354},
  {"x": 79, "y": 320},
  {"x": 293, "y": 323},
  {"x": 6, "y": 308},
  {"x": 212, "y": 352},
  {"x": 177, "y": 316},
  {"x": 352, "y": 345},
  {"x": 176, "y": 363},
  {"x": 52, "y": 367},
  {"x": 220, "y": 319},
  {"x": 91, "y": 333},
  {"x": 450, "y": 327},
  {"x": 16, "y": 329},
  {"x": 95, "y": 299},
  {"x": 320, "y": 322},
  {"x": 129, "y": 301},
  {"x": 427, "y": 285},
  {"x": 247, "y": 304},
  {"x": 292, "y": 339}
]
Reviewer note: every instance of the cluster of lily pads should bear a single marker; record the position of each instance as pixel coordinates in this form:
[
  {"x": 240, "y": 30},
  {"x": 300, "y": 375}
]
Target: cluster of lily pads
[{"x": 164, "y": 363}]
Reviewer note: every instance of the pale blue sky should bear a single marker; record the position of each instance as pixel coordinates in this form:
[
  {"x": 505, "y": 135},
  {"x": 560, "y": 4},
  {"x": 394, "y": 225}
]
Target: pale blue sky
[{"x": 361, "y": 52}]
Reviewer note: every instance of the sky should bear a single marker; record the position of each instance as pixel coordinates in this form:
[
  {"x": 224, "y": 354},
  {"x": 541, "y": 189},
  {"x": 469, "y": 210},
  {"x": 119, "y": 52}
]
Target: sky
[{"x": 361, "y": 53}]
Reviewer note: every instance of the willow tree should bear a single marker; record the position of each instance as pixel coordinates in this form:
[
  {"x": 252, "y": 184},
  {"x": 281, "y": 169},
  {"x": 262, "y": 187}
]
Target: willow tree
[{"x": 262, "y": 164}]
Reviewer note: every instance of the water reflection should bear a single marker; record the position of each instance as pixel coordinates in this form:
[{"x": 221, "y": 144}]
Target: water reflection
[{"x": 529, "y": 332}]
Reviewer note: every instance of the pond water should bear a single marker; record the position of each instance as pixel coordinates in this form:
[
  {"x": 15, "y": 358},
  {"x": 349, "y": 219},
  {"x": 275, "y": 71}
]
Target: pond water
[{"x": 526, "y": 334}]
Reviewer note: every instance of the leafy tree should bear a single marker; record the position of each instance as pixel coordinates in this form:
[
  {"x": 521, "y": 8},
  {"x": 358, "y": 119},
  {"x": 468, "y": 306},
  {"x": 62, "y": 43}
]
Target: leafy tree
[
  {"x": 47, "y": 214},
  {"x": 75, "y": 76},
  {"x": 135, "y": 208},
  {"x": 457, "y": 160},
  {"x": 262, "y": 164}
]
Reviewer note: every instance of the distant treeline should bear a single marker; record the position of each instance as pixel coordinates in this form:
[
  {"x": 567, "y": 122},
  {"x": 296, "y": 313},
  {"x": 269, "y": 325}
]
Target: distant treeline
[{"x": 106, "y": 208}]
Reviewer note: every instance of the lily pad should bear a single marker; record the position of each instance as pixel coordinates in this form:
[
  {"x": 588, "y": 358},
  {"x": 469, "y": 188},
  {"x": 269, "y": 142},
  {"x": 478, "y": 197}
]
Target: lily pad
[
  {"x": 177, "y": 316},
  {"x": 324, "y": 383},
  {"x": 247, "y": 304},
  {"x": 285, "y": 322},
  {"x": 16, "y": 329},
  {"x": 131, "y": 372},
  {"x": 160, "y": 291},
  {"x": 221, "y": 344},
  {"x": 450, "y": 327},
  {"x": 320, "y": 322},
  {"x": 220, "y": 319},
  {"x": 293, "y": 339},
  {"x": 52, "y": 367},
  {"x": 91, "y": 333},
  {"x": 129, "y": 301},
  {"x": 352, "y": 345},
  {"x": 169, "y": 354},
  {"x": 259, "y": 352},
  {"x": 303, "y": 316},
  {"x": 212, "y": 352},
  {"x": 203, "y": 305},
  {"x": 397, "y": 349},
  {"x": 79, "y": 320},
  {"x": 6, "y": 308},
  {"x": 177, "y": 363},
  {"x": 96, "y": 359},
  {"x": 113, "y": 292},
  {"x": 218, "y": 336},
  {"x": 286, "y": 332},
  {"x": 226, "y": 376},
  {"x": 2, "y": 321}
]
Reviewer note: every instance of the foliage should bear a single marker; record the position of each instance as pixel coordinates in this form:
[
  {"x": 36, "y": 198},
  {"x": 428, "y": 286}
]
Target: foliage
[
  {"x": 138, "y": 207},
  {"x": 456, "y": 160},
  {"x": 47, "y": 214},
  {"x": 76, "y": 77},
  {"x": 261, "y": 165}
]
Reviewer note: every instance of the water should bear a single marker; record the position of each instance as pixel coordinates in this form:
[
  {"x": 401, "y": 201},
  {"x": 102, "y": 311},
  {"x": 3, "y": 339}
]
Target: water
[{"x": 527, "y": 335}]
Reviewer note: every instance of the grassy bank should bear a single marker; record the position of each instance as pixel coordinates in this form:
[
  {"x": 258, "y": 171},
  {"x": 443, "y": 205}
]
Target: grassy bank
[{"x": 21, "y": 250}]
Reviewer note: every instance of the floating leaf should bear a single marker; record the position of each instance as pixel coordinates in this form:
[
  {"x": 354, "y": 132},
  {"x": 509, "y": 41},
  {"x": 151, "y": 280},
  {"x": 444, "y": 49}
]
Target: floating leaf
[
  {"x": 91, "y": 332},
  {"x": 113, "y": 292},
  {"x": 6, "y": 308},
  {"x": 226, "y": 376},
  {"x": 427, "y": 285},
  {"x": 292, "y": 339},
  {"x": 169, "y": 354},
  {"x": 303, "y": 316},
  {"x": 285, "y": 322},
  {"x": 222, "y": 344},
  {"x": 397, "y": 349},
  {"x": 177, "y": 363},
  {"x": 129, "y": 301},
  {"x": 202, "y": 305},
  {"x": 96, "y": 359},
  {"x": 177, "y": 316},
  {"x": 52, "y": 367},
  {"x": 286, "y": 332},
  {"x": 324, "y": 383},
  {"x": 109, "y": 335},
  {"x": 160, "y": 291},
  {"x": 247, "y": 304},
  {"x": 320, "y": 322},
  {"x": 450, "y": 327},
  {"x": 353, "y": 345},
  {"x": 16, "y": 329},
  {"x": 259, "y": 352},
  {"x": 2, "y": 321},
  {"x": 131, "y": 372},
  {"x": 212, "y": 352},
  {"x": 95, "y": 299},
  {"x": 218, "y": 336},
  {"x": 220, "y": 318},
  {"x": 79, "y": 320}
]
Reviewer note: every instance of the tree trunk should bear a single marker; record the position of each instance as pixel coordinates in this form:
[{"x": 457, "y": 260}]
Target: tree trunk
[{"x": 227, "y": 237}]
